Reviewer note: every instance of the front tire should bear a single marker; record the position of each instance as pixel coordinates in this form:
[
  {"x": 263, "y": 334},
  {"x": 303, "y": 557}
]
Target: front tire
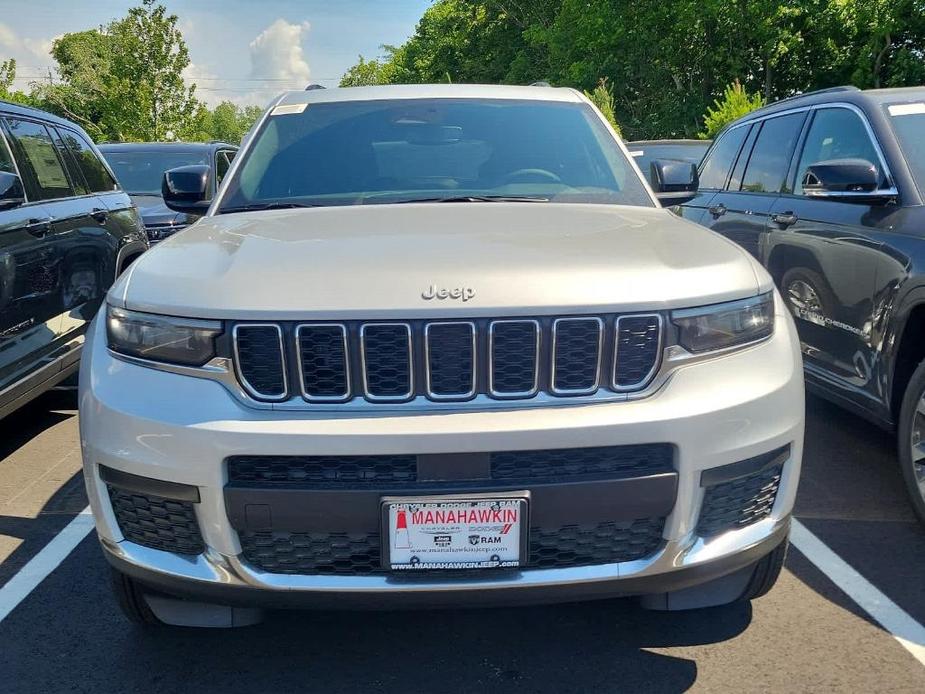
[
  {"x": 767, "y": 571},
  {"x": 911, "y": 440},
  {"x": 131, "y": 599}
]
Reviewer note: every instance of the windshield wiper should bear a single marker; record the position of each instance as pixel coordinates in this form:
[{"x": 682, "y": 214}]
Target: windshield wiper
[
  {"x": 254, "y": 206},
  {"x": 475, "y": 198}
]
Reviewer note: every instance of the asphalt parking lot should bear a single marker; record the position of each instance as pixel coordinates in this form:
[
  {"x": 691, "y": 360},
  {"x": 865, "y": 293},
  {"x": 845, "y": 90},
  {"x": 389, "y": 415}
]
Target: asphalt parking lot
[{"x": 67, "y": 635}]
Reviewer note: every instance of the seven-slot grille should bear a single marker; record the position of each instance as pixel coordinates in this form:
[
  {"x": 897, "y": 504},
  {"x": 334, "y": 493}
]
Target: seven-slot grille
[{"x": 448, "y": 360}]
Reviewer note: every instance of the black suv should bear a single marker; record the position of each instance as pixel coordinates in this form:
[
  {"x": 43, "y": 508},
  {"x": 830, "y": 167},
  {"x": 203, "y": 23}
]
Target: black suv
[
  {"x": 66, "y": 232},
  {"x": 140, "y": 167},
  {"x": 827, "y": 190},
  {"x": 644, "y": 152}
]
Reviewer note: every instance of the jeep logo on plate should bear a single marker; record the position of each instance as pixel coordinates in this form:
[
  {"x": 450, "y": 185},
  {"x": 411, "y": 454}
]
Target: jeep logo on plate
[{"x": 435, "y": 292}]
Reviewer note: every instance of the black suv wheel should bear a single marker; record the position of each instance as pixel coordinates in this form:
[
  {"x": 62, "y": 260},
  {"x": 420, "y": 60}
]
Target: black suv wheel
[{"x": 911, "y": 440}]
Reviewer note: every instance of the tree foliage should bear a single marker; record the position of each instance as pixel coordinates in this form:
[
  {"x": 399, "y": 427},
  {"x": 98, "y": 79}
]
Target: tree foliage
[
  {"x": 736, "y": 102},
  {"x": 7, "y": 77},
  {"x": 665, "y": 63},
  {"x": 227, "y": 122},
  {"x": 602, "y": 97},
  {"x": 124, "y": 82}
]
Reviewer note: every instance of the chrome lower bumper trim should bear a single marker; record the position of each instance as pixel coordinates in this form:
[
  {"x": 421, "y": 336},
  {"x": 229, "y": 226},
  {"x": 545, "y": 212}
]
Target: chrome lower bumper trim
[{"x": 214, "y": 569}]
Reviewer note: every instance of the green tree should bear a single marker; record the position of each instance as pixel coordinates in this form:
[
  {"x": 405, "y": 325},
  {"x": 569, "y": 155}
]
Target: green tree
[
  {"x": 666, "y": 63},
  {"x": 736, "y": 102},
  {"x": 368, "y": 73},
  {"x": 7, "y": 77},
  {"x": 602, "y": 97},
  {"x": 123, "y": 81}
]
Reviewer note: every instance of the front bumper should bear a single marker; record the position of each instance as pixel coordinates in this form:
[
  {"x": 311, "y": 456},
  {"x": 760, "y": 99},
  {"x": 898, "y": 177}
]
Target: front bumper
[{"x": 179, "y": 429}]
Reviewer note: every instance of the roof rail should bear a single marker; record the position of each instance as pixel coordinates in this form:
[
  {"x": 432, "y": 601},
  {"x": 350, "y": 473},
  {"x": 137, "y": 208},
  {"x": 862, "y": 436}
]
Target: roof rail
[{"x": 829, "y": 90}]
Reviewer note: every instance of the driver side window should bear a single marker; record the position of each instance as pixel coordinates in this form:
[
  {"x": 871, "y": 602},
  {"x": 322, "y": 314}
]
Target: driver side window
[{"x": 835, "y": 133}]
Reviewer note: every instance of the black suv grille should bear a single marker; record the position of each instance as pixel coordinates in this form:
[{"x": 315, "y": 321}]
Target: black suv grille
[
  {"x": 449, "y": 360},
  {"x": 638, "y": 345},
  {"x": 260, "y": 362},
  {"x": 323, "y": 360},
  {"x": 359, "y": 554}
]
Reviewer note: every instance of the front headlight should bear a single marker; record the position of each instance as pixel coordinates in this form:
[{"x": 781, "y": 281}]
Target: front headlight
[
  {"x": 161, "y": 338},
  {"x": 731, "y": 324}
]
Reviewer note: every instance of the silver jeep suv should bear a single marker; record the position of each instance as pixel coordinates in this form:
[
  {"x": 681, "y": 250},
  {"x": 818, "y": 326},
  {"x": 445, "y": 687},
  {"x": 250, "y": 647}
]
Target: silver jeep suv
[{"x": 437, "y": 345}]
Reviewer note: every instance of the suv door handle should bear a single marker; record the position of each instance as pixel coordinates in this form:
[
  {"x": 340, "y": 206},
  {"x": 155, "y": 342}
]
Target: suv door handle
[
  {"x": 785, "y": 219},
  {"x": 717, "y": 210},
  {"x": 99, "y": 215},
  {"x": 38, "y": 227}
]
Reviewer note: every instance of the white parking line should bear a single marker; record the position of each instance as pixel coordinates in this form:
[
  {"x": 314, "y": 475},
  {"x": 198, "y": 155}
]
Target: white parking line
[
  {"x": 887, "y": 613},
  {"x": 42, "y": 564}
]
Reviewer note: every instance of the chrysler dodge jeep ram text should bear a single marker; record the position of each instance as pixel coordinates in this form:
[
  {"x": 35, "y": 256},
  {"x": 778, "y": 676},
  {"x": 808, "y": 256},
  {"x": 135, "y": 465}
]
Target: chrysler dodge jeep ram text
[{"x": 438, "y": 345}]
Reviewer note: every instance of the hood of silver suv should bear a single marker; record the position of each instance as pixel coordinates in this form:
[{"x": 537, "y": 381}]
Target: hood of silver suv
[{"x": 420, "y": 260}]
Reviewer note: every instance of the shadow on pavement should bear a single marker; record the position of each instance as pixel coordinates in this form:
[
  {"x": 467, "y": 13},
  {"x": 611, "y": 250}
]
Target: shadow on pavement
[
  {"x": 35, "y": 533},
  {"x": 852, "y": 497},
  {"x": 589, "y": 647},
  {"x": 20, "y": 427}
]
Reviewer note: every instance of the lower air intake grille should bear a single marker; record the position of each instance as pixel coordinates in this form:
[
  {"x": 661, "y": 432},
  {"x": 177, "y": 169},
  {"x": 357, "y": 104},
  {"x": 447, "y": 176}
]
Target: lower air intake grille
[
  {"x": 568, "y": 464},
  {"x": 740, "y": 502},
  {"x": 587, "y": 545},
  {"x": 359, "y": 553},
  {"x": 312, "y": 553},
  {"x": 156, "y": 522},
  {"x": 320, "y": 472}
]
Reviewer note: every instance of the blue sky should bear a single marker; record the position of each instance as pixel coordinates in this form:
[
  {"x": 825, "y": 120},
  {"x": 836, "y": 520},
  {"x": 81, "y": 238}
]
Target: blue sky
[{"x": 243, "y": 50}]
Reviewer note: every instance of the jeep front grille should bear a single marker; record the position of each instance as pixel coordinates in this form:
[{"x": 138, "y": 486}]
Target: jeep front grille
[{"x": 505, "y": 359}]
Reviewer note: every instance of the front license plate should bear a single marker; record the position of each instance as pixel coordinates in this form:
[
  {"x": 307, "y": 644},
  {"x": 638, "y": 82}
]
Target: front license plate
[{"x": 454, "y": 532}]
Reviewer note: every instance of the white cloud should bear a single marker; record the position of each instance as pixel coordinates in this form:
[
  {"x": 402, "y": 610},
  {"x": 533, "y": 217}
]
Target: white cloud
[
  {"x": 33, "y": 56},
  {"x": 277, "y": 63},
  {"x": 276, "y": 54}
]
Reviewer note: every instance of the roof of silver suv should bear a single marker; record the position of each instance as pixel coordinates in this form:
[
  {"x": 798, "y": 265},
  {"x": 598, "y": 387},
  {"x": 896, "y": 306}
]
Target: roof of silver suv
[{"x": 429, "y": 91}]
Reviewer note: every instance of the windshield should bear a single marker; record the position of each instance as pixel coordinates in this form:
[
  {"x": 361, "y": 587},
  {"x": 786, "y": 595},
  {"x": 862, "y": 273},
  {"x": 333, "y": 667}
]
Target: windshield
[
  {"x": 140, "y": 172},
  {"x": 360, "y": 153},
  {"x": 909, "y": 125},
  {"x": 644, "y": 155}
]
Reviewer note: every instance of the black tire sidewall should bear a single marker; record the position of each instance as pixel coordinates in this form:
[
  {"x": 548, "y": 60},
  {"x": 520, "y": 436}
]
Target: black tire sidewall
[{"x": 914, "y": 392}]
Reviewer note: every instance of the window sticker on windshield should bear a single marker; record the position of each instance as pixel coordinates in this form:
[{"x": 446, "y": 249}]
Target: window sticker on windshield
[
  {"x": 287, "y": 109},
  {"x": 906, "y": 109},
  {"x": 638, "y": 153}
]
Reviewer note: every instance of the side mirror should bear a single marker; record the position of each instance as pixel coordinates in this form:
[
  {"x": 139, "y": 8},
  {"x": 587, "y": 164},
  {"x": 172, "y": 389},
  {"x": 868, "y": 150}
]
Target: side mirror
[
  {"x": 674, "y": 182},
  {"x": 11, "y": 190},
  {"x": 186, "y": 189},
  {"x": 845, "y": 179}
]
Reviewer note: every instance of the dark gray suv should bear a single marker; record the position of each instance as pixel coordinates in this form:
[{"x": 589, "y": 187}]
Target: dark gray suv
[
  {"x": 66, "y": 231},
  {"x": 827, "y": 190}
]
